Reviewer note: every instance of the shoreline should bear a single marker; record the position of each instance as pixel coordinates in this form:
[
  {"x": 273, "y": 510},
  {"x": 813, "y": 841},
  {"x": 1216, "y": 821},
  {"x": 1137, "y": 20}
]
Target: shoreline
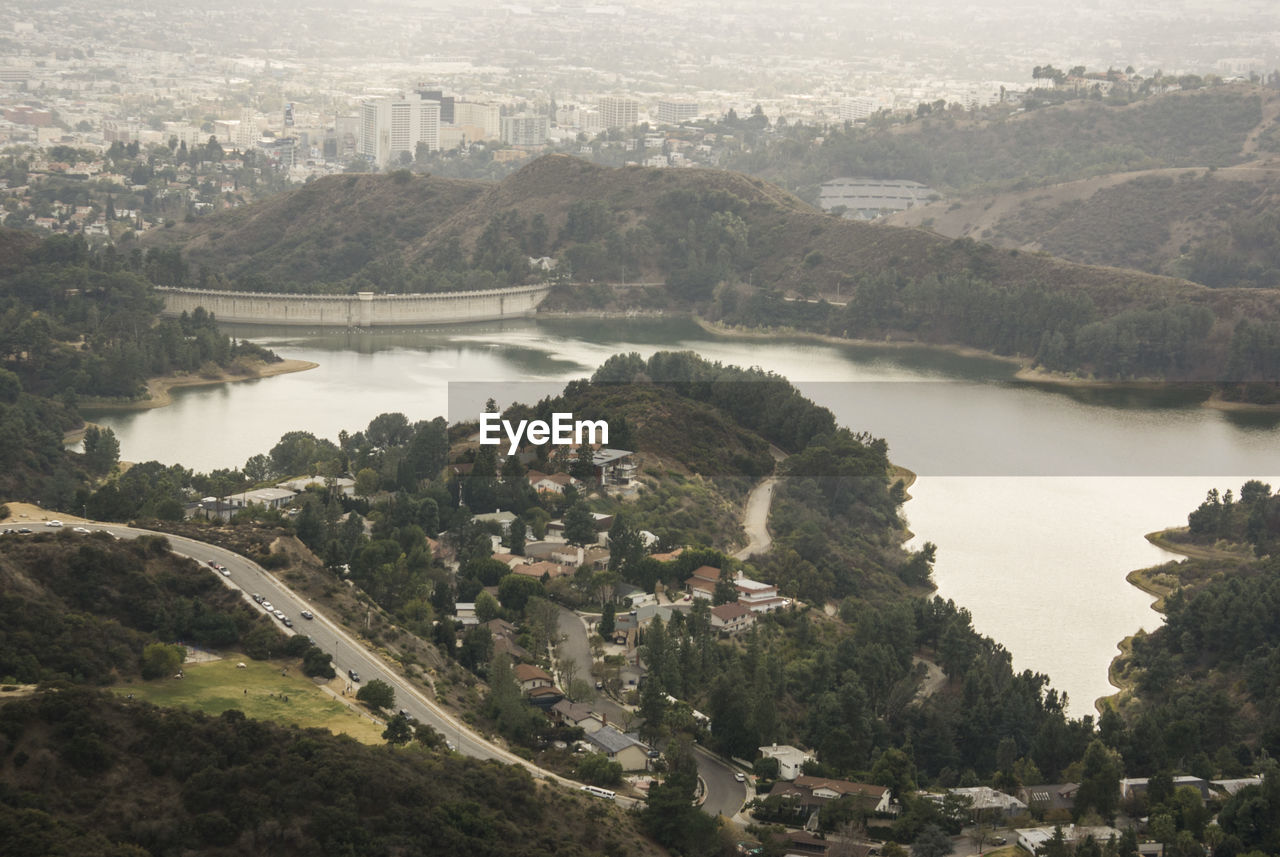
[{"x": 158, "y": 388}]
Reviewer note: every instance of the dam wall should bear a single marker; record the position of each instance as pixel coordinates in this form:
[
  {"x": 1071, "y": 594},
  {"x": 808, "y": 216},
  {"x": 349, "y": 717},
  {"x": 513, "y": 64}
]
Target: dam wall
[{"x": 363, "y": 309}]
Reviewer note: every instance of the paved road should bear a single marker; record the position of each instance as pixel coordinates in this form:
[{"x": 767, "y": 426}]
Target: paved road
[
  {"x": 755, "y": 518},
  {"x": 348, "y": 653},
  {"x": 725, "y": 795}
]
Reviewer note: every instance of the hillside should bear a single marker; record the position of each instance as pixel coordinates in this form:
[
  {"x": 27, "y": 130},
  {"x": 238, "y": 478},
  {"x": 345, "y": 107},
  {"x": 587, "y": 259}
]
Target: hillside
[
  {"x": 1213, "y": 226},
  {"x": 960, "y": 153},
  {"x": 82, "y": 773},
  {"x": 697, "y": 229}
]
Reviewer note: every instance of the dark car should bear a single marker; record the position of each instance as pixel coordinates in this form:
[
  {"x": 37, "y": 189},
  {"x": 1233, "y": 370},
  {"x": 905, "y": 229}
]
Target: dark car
[{"x": 353, "y": 675}]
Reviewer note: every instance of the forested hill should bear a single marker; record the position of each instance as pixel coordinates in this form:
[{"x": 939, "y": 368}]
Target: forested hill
[{"x": 84, "y": 773}]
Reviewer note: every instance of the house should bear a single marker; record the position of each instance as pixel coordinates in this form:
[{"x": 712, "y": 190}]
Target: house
[
  {"x": 614, "y": 466},
  {"x": 502, "y": 519},
  {"x": 1033, "y": 838},
  {"x": 272, "y": 498},
  {"x": 812, "y": 793},
  {"x": 627, "y": 751},
  {"x": 504, "y": 640},
  {"x": 732, "y": 618},
  {"x": 551, "y": 570},
  {"x": 1042, "y": 799},
  {"x": 466, "y": 613},
  {"x": 530, "y": 677},
  {"x": 578, "y": 714},
  {"x": 702, "y": 583},
  {"x": 1134, "y": 786},
  {"x": 544, "y": 697},
  {"x": 342, "y": 484},
  {"x": 986, "y": 799},
  {"x": 1232, "y": 786},
  {"x": 790, "y": 759},
  {"x": 550, "y": 483}
]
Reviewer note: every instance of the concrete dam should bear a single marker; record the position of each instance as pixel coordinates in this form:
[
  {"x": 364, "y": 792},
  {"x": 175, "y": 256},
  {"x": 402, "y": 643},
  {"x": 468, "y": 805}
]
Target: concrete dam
[{"x": 363, "y": 309}]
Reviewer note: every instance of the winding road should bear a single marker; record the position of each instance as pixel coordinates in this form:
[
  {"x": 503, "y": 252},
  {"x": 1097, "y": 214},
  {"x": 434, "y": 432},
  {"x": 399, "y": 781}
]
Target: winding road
[{"x": 348, "y": 653}]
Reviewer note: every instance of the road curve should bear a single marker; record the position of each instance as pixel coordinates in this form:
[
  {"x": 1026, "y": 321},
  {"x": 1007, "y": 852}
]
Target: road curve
[{"x": 348, "y": 652}]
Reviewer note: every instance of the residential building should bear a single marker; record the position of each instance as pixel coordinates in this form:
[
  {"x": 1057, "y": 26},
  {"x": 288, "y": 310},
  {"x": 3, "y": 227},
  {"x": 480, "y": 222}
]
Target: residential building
[
  {"x": 1042, "y": 799},
  {"x": 392, "y": 128},
  {"x": 857, "y": 109},
  {"x": 986, "y": 799},
  {"x": 578, "y": 714},
  {"x": 732, "y": 618},
  {"x": 790, "y": 759},
  {"x": 483, "y": 117},
  {"x": 675, "y": 112},
  {"x": 530, "y": 677},
  {"x": 272, "y": 498},
  {"x": 627, "y": 751},
  {"x": 614, "y": 466},
  {"x": 618, "y": 112},
  {"x": 1034, "y": 838},
  {"x": 812, "y": 793},
  {"x": 524, "y": 129}
]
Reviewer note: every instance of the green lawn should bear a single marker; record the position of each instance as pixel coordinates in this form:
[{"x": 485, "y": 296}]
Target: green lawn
[{"x": 259, "y": 691}]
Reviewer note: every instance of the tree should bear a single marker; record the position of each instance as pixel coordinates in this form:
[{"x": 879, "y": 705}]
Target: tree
[
  {"x": 1100, "y": 782},
  {"x": 596, "y": 769},
  {"x": 583, "y": 468},
  {"x": 161, "y": 660},
  {"x": 487, "y": 607},
  {"x": 101, "y": 449},
  {"x": 515, "y": 590},
  {"x": 366, "y": 482},
  {"x": 607, "y": 621},
  {"x": 399, "y": 730},
  {"x": 476, "y": 649},
  {"x": 895, "y": 770},
  {"x": 932, "y": 841},
  {"x": 317, "y": 662},
  {"x": 579, "y": 525},
  {"x": 377, "y": 694},
  {"x": 516, "y": 536}
]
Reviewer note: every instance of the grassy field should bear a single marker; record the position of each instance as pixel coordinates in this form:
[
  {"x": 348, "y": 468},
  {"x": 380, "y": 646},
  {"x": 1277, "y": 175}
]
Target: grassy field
[{"x": 259, "y": 691}]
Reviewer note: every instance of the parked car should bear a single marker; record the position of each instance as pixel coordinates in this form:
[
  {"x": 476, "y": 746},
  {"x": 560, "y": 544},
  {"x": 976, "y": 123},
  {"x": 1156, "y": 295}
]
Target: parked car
[
  {"x": 266, "y": 605},
  {"x": 739, "y": 776},
  {"x": 258, "y": 598},
  {"x": 288, "y": 623},
  {"x": 353, "y": 675}
]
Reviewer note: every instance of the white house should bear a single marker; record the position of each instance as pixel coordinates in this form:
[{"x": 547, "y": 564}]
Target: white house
[{"x": 790, "y": 759}]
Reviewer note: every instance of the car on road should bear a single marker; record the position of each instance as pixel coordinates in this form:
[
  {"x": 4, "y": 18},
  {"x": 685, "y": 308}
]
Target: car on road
[
  {"x": 82, "y": 530},
  {"x": 279, "y": 614},
  {"x": 222, "y": 569},
  {"x": 288, "y": 623},
  {"x": 54, "y": 523},
  {"x": 353, "y": 675},
  {"x": 258, "y": 598},
  {"x": 266, "y": 605},
  {"x": 999, "y": 840},
  {"x": 739, "y": 776},
  {"x": 307, "y": 614},
  {"x": 24, "y": 531}
]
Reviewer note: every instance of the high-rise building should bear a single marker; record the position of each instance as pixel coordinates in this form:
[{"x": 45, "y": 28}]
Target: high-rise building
[
  {"x": 617, "y": 112},
  {"x": 481, "y": 118},
  {"x": 857, "y": 109},
  {"x": 524, "y": 129},
  {"x": 446, "y": 102},
  {"x": 675, "y": 112},
  {"x": 390, "y": 127}
]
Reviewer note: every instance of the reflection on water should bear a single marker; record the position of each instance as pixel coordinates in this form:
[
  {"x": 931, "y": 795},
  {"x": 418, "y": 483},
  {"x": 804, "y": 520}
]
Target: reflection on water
[{"x": 1037, "y": 497}]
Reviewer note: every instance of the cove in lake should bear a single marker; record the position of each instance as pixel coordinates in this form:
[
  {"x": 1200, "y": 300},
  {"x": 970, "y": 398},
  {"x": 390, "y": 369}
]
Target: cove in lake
[{"x": 1037, "y": 498}]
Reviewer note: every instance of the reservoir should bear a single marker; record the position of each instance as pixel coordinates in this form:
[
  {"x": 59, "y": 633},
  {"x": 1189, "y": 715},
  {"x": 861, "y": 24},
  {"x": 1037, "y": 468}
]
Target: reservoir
[{"x": 1037, "y": 498}]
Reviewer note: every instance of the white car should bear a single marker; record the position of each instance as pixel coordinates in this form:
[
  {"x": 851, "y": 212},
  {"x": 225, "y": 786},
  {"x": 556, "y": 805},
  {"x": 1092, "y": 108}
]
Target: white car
[
  {"x": 279, "y": 614},
  {"x": 81, "y": 530},
  {"x": 53, "y": 523},
  {"x": 266, "y": 605}
]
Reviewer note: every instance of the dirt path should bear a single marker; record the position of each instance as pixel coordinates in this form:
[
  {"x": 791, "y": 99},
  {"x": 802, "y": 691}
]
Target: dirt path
[{"x": 755, "y": 519}]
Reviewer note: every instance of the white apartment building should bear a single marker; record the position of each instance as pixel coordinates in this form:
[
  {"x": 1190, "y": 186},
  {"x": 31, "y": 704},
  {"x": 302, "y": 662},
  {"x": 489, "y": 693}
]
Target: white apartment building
[
  {"x": 392, "y": 126},
  {"x": 479, "y": 121},
  {"x": 857, "y": 109},
  {"x": 524, "y": 129},
  {"x": 675, "y": 112},
  {"x": 618, "y": 112}
]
